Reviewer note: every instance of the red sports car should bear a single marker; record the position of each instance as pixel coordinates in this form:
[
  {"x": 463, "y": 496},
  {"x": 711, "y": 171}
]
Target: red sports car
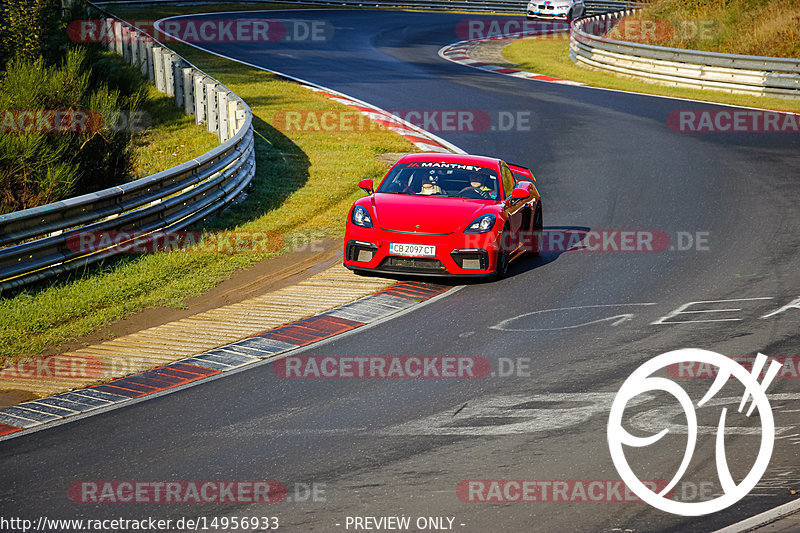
[{"x": 446, "y": 215}]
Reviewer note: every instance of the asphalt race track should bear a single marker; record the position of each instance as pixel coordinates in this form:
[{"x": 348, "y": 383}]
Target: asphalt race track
[{"x": 573, "y": 326}]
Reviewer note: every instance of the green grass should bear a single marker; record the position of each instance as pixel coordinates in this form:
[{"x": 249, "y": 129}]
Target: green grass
[
  {"x": 550, "y": 56},
  {"x": 305, "y": 183}
]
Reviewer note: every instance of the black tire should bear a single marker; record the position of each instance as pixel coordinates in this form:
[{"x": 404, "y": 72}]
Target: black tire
[
  {"x": 501, "y": 270},
  {"x": 537, "y": 226}
]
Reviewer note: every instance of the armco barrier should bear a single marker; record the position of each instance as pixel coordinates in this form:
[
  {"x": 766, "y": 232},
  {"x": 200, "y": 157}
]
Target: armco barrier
[
  {"x": 35, "y": 240},
  {"x": 753, "y": 75}
]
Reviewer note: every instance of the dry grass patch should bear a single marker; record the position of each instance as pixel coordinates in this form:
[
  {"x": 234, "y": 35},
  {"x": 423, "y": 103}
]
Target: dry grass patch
[{"x": 753, "y": 27}]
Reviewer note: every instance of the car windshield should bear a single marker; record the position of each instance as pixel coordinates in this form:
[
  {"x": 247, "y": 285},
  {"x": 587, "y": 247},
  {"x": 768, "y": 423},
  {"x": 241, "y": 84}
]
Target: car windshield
[{"x": 451, "y": 180}]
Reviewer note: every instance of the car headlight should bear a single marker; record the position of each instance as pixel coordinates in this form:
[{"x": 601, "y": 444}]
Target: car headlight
[
  {"x": 360, "y": 217},
  {"x": 482, "y": 224}
]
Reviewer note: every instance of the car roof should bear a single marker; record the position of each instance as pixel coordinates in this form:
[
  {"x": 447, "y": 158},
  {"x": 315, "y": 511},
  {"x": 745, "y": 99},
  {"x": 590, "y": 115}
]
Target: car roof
[{"x": 461, "y": 159}]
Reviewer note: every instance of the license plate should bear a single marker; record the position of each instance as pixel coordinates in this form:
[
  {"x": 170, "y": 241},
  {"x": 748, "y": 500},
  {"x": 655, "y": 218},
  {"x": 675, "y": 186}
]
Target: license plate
[{"x": 412, "y": 250}]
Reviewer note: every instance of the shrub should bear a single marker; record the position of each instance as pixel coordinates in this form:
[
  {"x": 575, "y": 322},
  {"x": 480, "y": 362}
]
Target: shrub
[
  {"x": 38, "y": 167},
  {"x": 30, "y": 29}
]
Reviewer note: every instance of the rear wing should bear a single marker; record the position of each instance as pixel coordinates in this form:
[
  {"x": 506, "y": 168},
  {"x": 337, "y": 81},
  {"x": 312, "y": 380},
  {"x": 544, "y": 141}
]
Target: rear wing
[{"x": 521, "y": 173}]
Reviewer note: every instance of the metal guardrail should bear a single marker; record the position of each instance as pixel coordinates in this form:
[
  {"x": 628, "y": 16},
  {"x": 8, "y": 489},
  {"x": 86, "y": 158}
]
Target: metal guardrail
[
  {"x": 478, "y": 6},
  {"x": 37, "y": 242},
  {"x": 752, "y": 75}
]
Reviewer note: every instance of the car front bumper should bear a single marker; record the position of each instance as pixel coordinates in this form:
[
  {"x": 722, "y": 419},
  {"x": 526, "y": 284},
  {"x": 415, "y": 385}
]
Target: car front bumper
[
  {"x": 457, "y": 254},
  {"x": 542, "y": 15}
]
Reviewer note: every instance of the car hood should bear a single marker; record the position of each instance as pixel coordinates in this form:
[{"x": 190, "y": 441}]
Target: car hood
[{"x": 417, "y": 214}]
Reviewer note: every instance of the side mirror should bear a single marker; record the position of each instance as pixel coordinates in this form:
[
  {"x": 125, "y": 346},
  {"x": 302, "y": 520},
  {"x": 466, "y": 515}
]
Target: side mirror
[
  {"x": 366, "y": 184},
  {"x": 518, "y": 193}
]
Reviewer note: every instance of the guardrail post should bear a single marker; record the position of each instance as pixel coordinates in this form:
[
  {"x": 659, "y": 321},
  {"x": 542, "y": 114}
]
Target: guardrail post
[
  {"x": 134, "y": 48},
  {"x": 120, "y": 37},
  {"x": 143, "y": 46},
  {"x": 188, "y": 91},
  {"x": 241, "y": 115},
  {"x": 150, "y": 63},
  {"x": 125, "y": 37},
  {"x": 117, "y": 37},
  {"x": 232, "y": 127},
  {"x": 200, "y": 108},
  {"x": 222, "y": 115},
  {"x": 169, "y": 81},
  {"x": 108, "y": 33},
  {"x": 112, "y": 40},
  {"x": 158, "y": 68},
  {"x": 211, "y": 106},
  {"x": 177, "y": 80}
]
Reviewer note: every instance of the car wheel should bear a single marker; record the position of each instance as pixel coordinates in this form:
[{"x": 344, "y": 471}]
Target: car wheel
[
  {"x": 538, "y": 226},
  {"x": 501, "y": 270}
]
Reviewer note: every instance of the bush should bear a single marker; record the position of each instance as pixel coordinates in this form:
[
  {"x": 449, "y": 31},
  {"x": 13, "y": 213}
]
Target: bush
[
  {"x": 38, "y": 167},
  {"x": 30, "y": 29},
  {"x": 43, "y": 73}
]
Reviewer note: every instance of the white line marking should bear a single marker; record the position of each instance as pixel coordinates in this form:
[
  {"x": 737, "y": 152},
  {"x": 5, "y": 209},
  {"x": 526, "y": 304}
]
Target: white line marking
[
  {"x": 475, "y": 417},
  {"x": 503, "y": 326},
  {"x": 795, "y": 304},
  {"x": 682, "y": 311}
]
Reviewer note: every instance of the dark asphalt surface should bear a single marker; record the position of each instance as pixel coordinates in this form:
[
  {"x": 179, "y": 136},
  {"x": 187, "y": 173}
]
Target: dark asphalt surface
[{"x": 604, "y": 161}]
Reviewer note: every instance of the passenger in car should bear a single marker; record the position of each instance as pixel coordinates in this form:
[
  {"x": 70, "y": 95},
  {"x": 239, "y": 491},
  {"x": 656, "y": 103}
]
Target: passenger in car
[{"x": 429, "y": 186}]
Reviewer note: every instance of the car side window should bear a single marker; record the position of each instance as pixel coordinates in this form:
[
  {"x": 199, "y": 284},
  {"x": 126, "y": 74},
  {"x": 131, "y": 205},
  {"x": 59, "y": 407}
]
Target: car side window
[{"x": 508, "y": 180}]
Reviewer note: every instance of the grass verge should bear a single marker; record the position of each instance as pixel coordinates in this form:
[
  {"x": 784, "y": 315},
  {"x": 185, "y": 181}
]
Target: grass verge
[
  {"x": 305, "y": 183},
  {"x": 550, "y": 56}
]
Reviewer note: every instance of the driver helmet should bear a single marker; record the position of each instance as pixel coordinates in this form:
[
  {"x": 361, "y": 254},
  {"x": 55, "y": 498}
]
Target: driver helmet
[{"x": 430, "y": 182}]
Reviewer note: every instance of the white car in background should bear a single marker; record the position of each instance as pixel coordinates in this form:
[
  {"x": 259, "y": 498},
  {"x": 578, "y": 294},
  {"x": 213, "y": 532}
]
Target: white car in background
[{"x": 565, "y": 10}]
